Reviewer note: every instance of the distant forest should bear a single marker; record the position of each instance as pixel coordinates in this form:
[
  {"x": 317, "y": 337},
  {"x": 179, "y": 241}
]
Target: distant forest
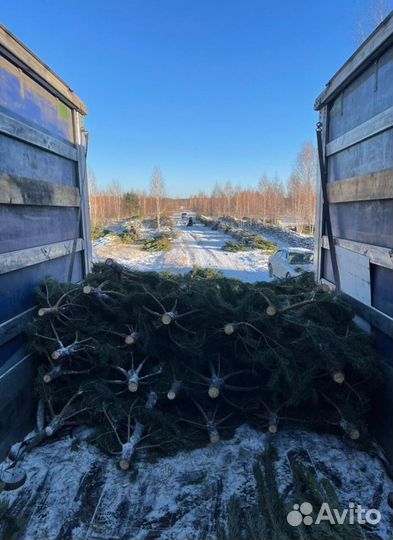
[{"x": 270, "y": 201}]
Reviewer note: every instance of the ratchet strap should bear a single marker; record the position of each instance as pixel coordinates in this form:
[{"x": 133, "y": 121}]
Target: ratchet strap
[{"x": 326, "y": 221}]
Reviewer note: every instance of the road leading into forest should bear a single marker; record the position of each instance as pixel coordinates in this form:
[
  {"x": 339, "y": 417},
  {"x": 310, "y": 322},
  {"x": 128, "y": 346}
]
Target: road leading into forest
[
  {"x": 194, "y": 246},
  {"x": 201, "y": 246}
]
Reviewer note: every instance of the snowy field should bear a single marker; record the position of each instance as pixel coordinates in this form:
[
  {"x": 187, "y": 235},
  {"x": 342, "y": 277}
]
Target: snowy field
[
  {"x": 194, "y": 246},
  {"x": 75, "y": 492}
]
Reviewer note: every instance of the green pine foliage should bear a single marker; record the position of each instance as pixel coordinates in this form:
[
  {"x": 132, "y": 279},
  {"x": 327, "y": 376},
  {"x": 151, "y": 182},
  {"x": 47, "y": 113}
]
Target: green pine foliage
[
  {"x": 247, "y": 241},
  {"x": 225, "y": 351},
  {"x": 158, "y": 243},
  {"x": 11, "y": 528},
  {"x": 267, "y": 518},
  {"x": 230, "y": 245},
  {"x": 204, "y": 273}
]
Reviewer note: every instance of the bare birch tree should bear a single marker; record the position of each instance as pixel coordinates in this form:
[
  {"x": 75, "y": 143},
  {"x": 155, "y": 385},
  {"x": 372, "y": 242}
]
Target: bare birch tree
[
  {"x": 93, "y": 192},
  {"x": 375, "y": 13},
  {"x": 302, "y": 187},
  {"x": 157, "y": 191},
  {"x": 263, "y": 191}
]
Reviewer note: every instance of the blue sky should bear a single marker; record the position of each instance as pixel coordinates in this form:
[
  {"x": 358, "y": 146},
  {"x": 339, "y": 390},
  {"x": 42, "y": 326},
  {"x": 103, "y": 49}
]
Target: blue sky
[{"x": 210, "y": 90}]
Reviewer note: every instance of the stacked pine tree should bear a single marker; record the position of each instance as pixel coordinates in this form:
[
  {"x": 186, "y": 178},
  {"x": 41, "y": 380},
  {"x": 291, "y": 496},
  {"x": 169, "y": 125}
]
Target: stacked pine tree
[{"x": 166, "y": 362}]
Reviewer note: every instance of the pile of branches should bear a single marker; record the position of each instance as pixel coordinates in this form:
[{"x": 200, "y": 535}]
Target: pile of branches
[{"x": 172, "y": 362}]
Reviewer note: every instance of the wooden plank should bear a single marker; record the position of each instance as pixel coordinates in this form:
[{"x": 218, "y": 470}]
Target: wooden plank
[
  {"x": 369, "y": 156},
  {"x": 369, "y": 222},
  {"x": 15, "y": 326},
  {"x": 362, "y": 188},
  {"x": 20, "y": 130},
  {"x": 34, "y": 66},
  {"x": 19, "y": 190},
  {"x": 19, "y": 158},
  {"x": 368, "y": 51},
  {"x": 24, "y": 226},
  {"x": 14, "y": 260},
  {"x": 378, "y": 255},
  {"x": 377, "y": 124}
]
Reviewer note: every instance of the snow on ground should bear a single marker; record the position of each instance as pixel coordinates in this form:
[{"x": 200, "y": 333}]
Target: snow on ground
[
  {"x": 194, "y": 246},
  {"x": 73, "y": 491}
]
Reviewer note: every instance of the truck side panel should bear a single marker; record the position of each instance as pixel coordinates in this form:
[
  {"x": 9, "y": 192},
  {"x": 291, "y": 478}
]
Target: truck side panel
[
  {"x": 356, "y": 112},
  {"x": 42, "y": 185}
]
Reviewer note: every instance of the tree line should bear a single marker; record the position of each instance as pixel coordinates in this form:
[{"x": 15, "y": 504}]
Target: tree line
[{"x": 270, "y": 200}]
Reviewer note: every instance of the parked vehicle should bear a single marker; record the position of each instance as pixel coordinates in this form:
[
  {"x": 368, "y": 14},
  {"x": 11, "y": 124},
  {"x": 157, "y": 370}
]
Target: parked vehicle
[{"x": 290, "y": 262}]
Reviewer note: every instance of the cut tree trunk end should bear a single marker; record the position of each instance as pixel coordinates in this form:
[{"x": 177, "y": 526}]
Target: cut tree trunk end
[
  {"x": 131, "y": 338},
  {"x": 133, "y": 382},
  {"x": 88, "y": 289},
  {"x": 216, "y": 383},
  {"x": 273, "y": 423},
  {"x": 323, "y": 288},
  {"x": 213, "y": 433},
  {"x": 213, "y": 392},
  {"x": 230, "y": 328},
  {"x": 43, "y": 312},
  {"x": 350, "y": 429},
  {"x": 174, "y": 390},
  {"x": 53, "y": 374},
  {"x": 128, "y": 449},
  {"x": 338, "y": 377},
  {"x": 133, "y": 387},
  {"x": 116, "y": 267},
  {"x": 124, "y": 464},
  {"x": 168, "y": 317},
  {"x": 58, "y": 353},
  {"x": 55, "y": 424},
  {"x": 271, "y": 311}
]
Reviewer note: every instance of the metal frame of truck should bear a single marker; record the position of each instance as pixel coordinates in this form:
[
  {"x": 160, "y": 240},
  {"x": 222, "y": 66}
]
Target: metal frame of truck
[
  {"x": 44, "y": 214},
  {"x": 356, "y": 128}
]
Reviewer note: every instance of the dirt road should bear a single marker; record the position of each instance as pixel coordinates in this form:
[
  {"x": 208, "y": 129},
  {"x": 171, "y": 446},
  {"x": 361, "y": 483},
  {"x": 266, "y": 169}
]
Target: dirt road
[{"x": 194, "y": 246}]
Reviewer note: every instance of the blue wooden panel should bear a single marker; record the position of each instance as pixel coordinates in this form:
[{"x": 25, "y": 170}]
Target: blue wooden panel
[
  {"x": 372, "y": 155},
  {"x": 29, "y": 226},
  {"x": 21, "y": 159},
  {"x": 9, "y": 348},
  {"x": 21, "y": 95},
  {"x": 368, "y": 95},
  {"x": 16, "y": 288},
  {"x": 365, "y": 221},
  {"x": 384, "y": 345},
  {"x": 382, "y": 289}
]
